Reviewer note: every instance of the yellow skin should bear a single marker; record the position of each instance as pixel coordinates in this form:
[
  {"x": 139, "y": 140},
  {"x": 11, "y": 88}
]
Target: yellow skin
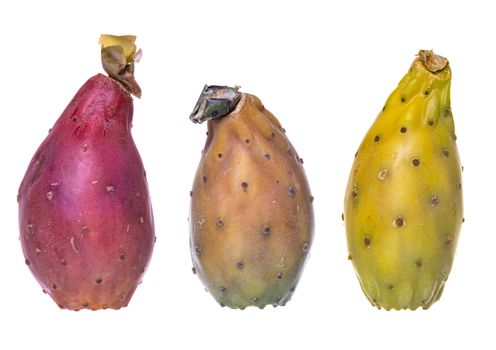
[
  {"x": 403, "y": 203},
  {"x": 251, "y": 219}
]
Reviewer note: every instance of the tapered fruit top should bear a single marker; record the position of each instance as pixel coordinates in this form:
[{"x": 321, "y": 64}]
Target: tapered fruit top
[
  {"x": 403, "y": 203},
  {"x": 251, "y": 221},
  {"x": 85, "y": 217}
]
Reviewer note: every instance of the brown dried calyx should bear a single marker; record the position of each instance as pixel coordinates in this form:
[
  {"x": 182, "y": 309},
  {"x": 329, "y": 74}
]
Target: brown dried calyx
[
  {"x": 434, "y": 63},
  {"x": 118, "y": 57}
]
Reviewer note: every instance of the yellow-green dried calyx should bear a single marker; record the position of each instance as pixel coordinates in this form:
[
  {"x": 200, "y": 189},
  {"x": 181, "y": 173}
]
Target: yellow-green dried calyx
[{"x": 118, "y": 57}]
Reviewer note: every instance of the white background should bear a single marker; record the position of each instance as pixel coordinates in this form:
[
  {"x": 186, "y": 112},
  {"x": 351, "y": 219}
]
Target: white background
[{"x": 325, "y": 70}]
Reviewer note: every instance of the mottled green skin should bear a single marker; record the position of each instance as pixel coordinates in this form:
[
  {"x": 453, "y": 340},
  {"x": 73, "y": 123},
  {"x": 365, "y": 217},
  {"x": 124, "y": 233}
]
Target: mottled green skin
[
  {"x": 403, "y": 203},
  {"x": 251, "y": 222}
]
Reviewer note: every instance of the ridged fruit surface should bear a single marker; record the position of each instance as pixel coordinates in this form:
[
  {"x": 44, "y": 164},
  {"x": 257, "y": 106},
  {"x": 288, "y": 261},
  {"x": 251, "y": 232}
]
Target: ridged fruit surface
[
  {"x": 403, "y": 203},
  {"x": 251, "y": 220},
  {"x": 85, "y": 217}
]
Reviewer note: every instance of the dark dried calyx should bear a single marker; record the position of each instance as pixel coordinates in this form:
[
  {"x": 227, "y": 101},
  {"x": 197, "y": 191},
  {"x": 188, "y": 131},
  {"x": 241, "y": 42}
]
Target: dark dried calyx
[{"x": 215, "y": 102}]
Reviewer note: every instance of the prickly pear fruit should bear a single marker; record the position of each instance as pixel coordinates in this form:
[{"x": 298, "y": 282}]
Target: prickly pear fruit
[
  {"x": 251, "y": 220},
  {"x": 86, "y": 223},
  {"x": 403, "y": 203}
]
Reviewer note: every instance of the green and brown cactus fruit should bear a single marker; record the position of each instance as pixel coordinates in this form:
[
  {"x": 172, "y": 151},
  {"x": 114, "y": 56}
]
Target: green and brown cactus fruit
[
  {"x": 251, "y": 220},
  {"x": 403, "y": 204}
]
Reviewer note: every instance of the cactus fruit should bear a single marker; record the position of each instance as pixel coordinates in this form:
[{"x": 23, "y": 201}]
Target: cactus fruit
[
  {"x": 403, "y": 203},
  {"x": 251, "y": 220},
  {"x": 86, "y": 222}
]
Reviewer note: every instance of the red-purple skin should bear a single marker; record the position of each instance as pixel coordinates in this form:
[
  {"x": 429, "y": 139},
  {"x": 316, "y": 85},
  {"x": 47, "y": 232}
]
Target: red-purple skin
[{"x": 85, "y": 216}]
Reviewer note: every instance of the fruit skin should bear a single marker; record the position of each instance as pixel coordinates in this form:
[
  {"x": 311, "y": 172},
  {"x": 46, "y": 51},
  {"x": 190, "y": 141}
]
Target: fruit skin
[
  {"x": 403, "y": 203},
  {"x": 85, "y": 217},
  {"x": 251, "y": 220}
]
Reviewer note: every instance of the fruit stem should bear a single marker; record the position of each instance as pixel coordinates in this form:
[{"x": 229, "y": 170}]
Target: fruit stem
[
  {"x": 118, "y": 57},
  {"x": 432, "y": 62},
  {"x": 215, "y": 102}
]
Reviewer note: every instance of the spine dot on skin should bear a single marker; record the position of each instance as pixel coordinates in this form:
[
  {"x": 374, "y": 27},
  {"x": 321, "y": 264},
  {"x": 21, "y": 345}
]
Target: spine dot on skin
[
  {"x": 435, "y": 200},
  {"x": 415, "y": 162},
  {"x": 399, "y": 222},
  {"x": 291, "y": 191},
  {"x": 366, "y": 241},
  {"x": 354, "y": 193},
  {"x": 244, "y": 186},
  {"x": 448, "y": 241},
  {"x": 382, "y": 174},
  {"x": 266, "y": 231}
]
